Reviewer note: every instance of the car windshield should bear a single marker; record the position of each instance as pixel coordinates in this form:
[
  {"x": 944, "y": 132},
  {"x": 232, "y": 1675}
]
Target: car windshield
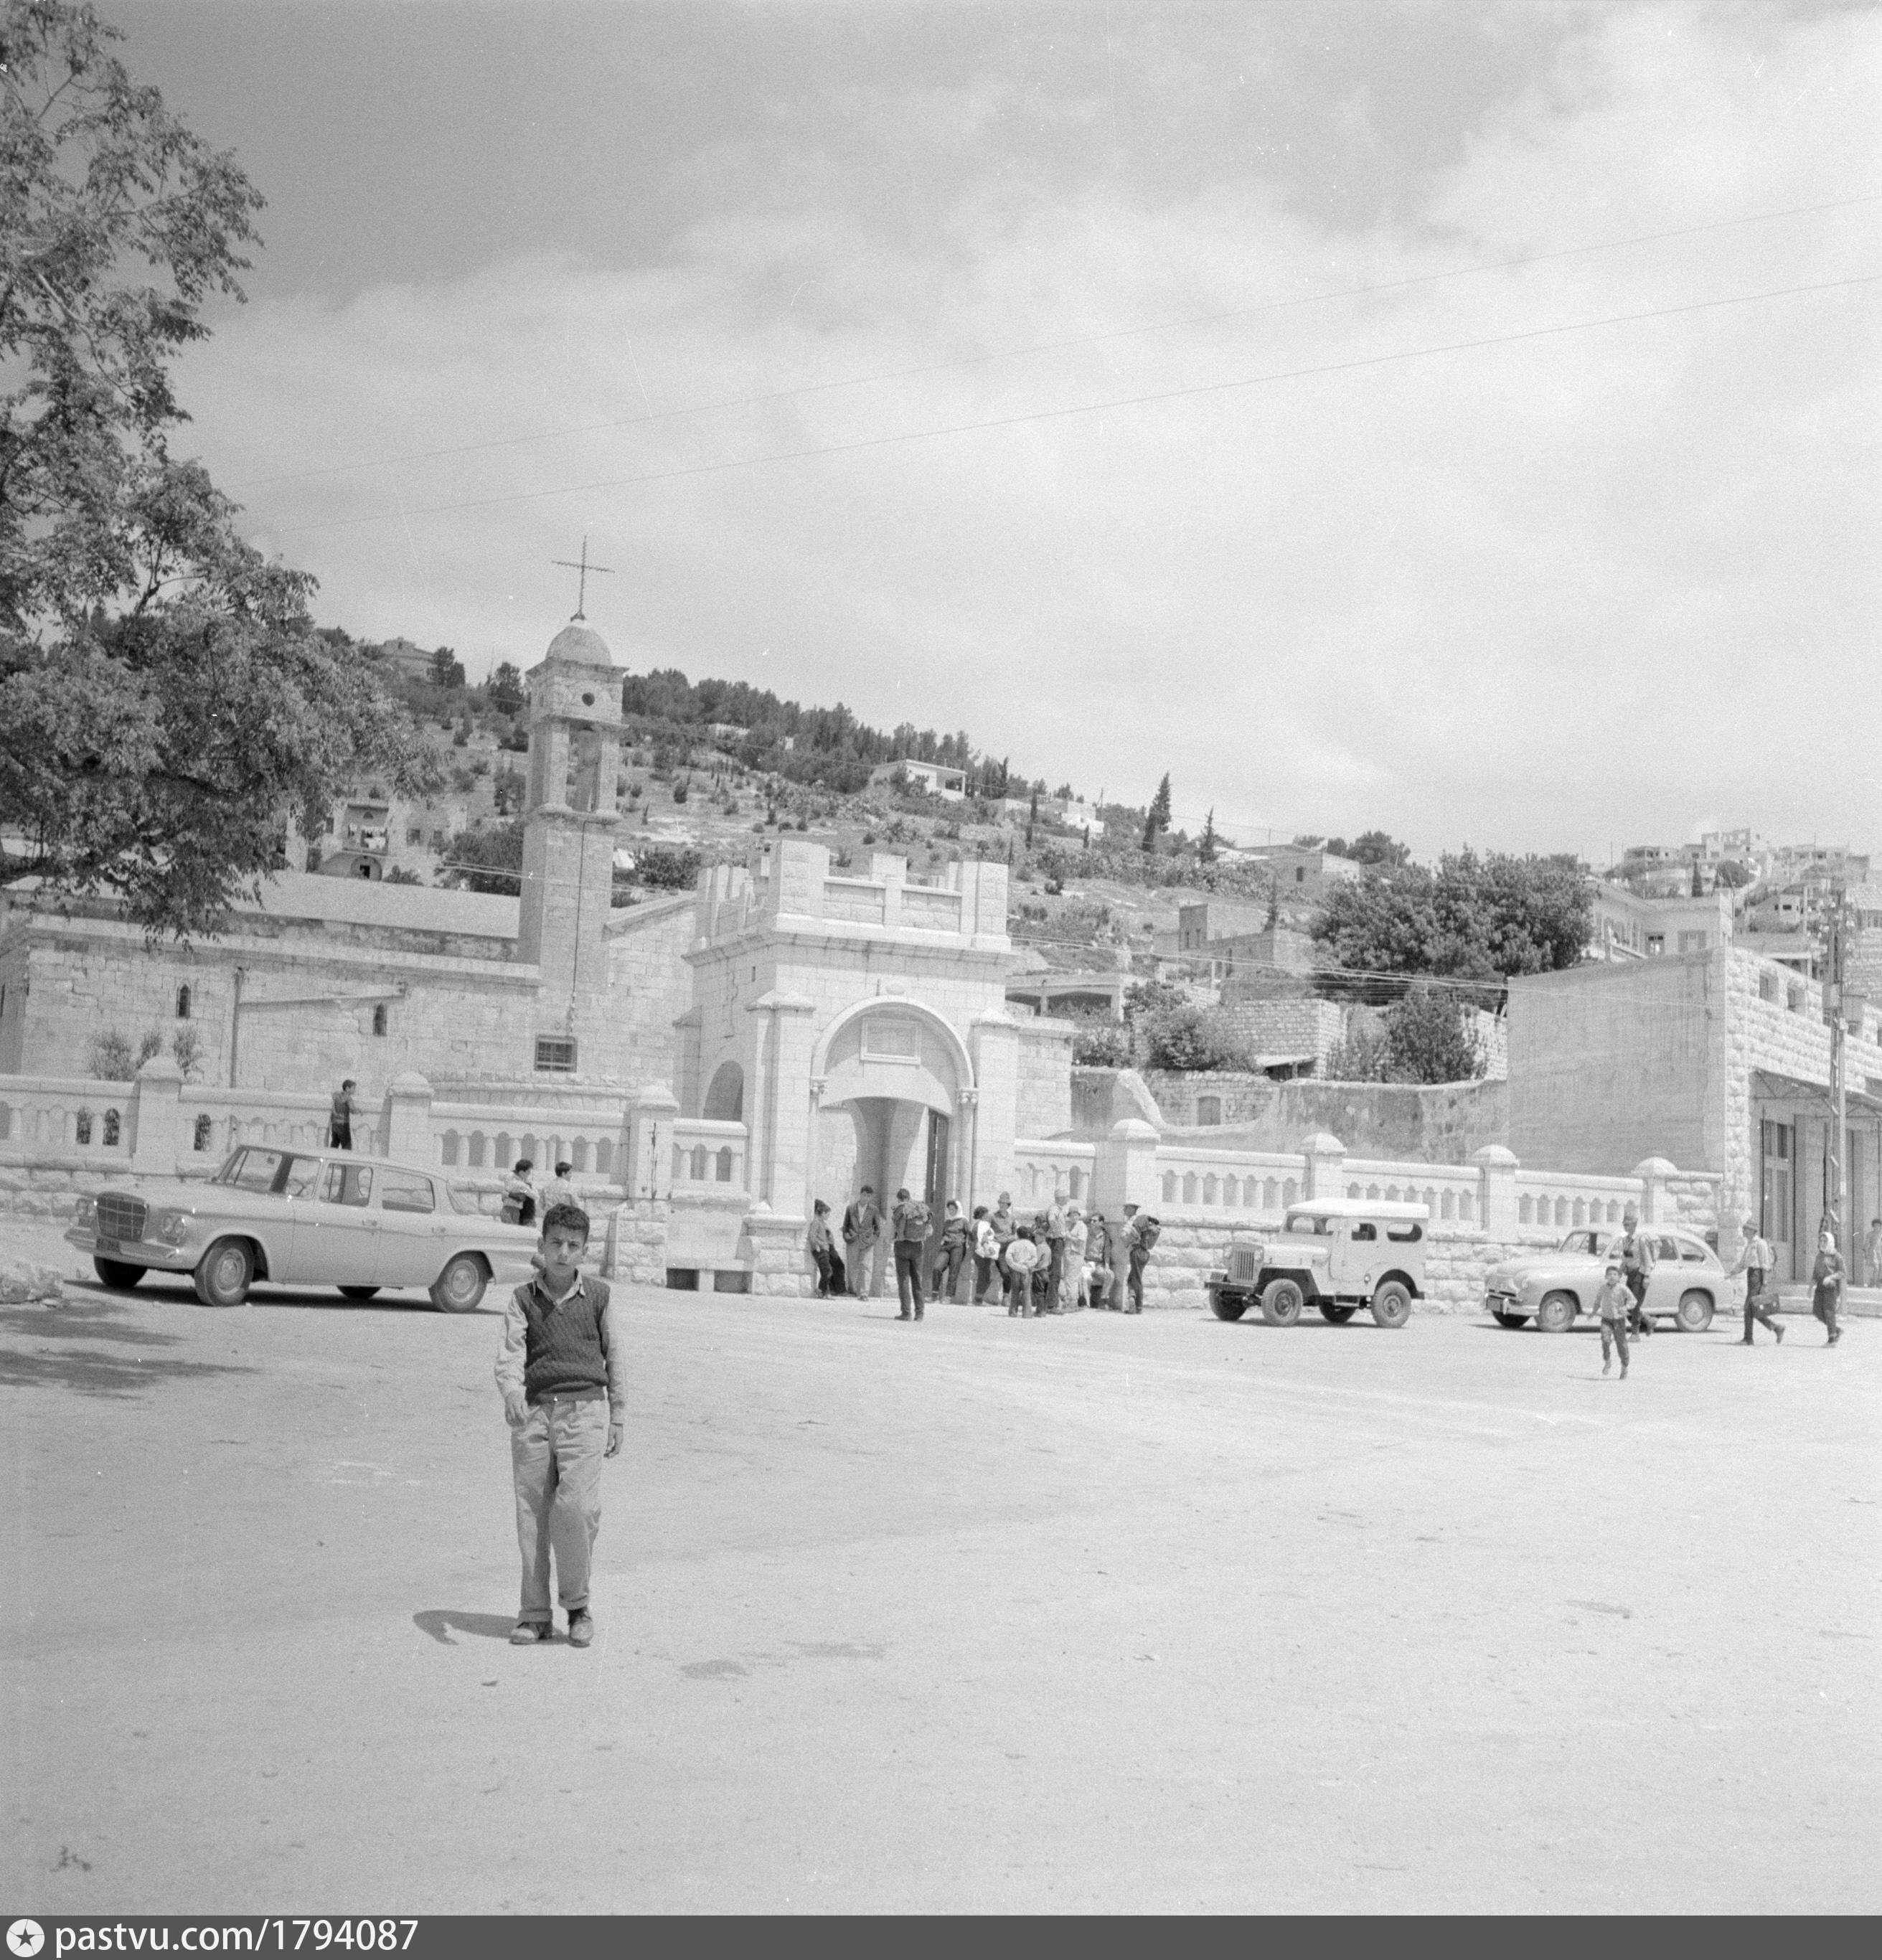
[
  {"x": 1303, "y": 1221},
  {"x": 1592, "y": 1243},
  {"x": 254, "y": 1168}
]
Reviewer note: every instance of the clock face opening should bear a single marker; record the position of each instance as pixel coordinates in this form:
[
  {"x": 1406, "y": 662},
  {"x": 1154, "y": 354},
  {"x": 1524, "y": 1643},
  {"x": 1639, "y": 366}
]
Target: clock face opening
[{"x": 587, "y": 700}]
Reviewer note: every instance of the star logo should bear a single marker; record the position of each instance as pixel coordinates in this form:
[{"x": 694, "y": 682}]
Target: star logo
[{"x": 25, "y": 1937}]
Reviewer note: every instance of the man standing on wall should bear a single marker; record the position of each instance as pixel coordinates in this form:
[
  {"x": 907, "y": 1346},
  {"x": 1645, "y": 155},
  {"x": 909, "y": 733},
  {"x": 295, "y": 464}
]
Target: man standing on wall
[
  {"x": 1635, "y": 1254},
  {"x": 911, "y": 1221},
  {"x": 339, "y": 1130},
  {"x": 862, "y": 1226}
]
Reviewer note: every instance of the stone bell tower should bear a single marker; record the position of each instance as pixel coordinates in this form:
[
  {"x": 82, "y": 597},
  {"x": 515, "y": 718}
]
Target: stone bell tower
[{"x": 569, "y": 825}]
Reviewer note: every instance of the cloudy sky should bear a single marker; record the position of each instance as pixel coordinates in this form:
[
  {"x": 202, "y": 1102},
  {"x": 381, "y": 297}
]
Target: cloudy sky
[{"x": 1399, "y": 415}]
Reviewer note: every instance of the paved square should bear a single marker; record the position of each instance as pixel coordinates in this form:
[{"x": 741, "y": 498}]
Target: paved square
[{"x": 1094, "y": 1613}]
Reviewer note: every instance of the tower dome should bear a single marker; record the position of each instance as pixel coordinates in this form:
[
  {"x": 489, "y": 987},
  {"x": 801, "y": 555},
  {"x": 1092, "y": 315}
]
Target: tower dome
[{"x": 582, "y": 644}]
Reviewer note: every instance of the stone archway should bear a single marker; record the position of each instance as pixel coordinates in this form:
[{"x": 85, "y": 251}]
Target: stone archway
[{"x": 725, "y": 1095}]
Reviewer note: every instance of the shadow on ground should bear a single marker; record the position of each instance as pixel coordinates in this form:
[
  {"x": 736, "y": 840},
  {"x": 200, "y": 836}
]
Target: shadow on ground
[
  {"x": 440, "y": 1622},
  {"x": 102, "y": 1369}
]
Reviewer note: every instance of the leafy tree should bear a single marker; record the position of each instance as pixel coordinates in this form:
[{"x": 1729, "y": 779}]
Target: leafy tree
[
  {"x": 1481, "y": 918},
  {"x": 186, "y": 1045},
  {"x": 1371, "y": 847},
  {"x": 1425, "y": 1039},
  {"x": 1158, "y": 819},
  {"x": 447, "y": 670},
  {"x": 1099, "y": 1042},
  {"x": 1143, "y": 998},
  {"x": 670, "y": 870},
  {"x": 503, "y": 690},
  {"x": 1206, "y": 847},
  {"x": 164, "y": 698},
  {"x": 487, "y": 857},
  {"x": 1734, "y": 876},
  {"x": 1189, "y": 1037}
]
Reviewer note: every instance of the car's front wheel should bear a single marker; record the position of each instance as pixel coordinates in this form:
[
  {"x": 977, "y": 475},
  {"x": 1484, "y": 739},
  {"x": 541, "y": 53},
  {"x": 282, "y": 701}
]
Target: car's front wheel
[
  {"x": 227, "y": 1271},
  {"x": 1227, "y": 1306},
  {"x": 1392, "y": 1304},
  {"x": 1557, "y": 1311},
  {"x": 1694, "y": 1313},
  {"x": 1280, "y": 1304},
  {"x": 118, "y": 1273},
  {"x": 459, "y": 1286},
  {"x": 1503, "y": 1319}
]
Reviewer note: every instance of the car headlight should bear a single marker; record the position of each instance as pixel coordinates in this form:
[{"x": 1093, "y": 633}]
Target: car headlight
[
  {"x": 83, "y": 1211},
  {"x": 173, "y": 1227}
]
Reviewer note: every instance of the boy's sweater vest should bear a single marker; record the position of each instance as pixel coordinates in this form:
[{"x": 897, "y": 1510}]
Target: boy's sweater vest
[{"x": 563, "y": 1354}]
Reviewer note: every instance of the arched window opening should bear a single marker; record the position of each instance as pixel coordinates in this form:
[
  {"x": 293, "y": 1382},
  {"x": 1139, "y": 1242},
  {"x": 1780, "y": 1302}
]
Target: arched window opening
[
  {"x": 379, "y": 1019},
  {"x": 111, "y": 1129},
  {"x": 182, "y": 1004}
]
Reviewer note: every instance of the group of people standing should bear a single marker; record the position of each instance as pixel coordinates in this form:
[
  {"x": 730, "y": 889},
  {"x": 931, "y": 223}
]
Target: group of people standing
[{"x": 1055, "y": 1260}]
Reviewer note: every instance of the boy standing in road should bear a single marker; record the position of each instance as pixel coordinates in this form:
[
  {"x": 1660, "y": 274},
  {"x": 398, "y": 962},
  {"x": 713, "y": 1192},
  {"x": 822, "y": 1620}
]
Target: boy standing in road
[
  {"x": 1754, "y": 1262},
  {"x": 1635, "y": 1253},
  {"x": 1614, "y": 1303},
  {"x": 862, "y": 1226},
  {"x": 560, "y": 1373}
]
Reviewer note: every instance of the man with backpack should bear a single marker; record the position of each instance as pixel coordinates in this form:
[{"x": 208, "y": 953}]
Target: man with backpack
[
  {"x": 911, "y": 1219},
  {"x": 1140, "y": 1240}
]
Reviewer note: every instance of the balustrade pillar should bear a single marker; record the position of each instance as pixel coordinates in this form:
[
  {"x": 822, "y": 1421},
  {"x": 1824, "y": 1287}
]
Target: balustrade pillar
[{"x": 155, "y": 1116}]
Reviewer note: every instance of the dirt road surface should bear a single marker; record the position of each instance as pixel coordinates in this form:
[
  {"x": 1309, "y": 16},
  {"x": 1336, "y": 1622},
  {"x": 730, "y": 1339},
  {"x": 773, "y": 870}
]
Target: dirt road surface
[{"x": 1095, "y": 1614}]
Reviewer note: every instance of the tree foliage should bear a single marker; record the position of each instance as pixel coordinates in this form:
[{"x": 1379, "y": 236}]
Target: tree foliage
[
  {"x": 1478, "y": 919},
  {"x": 1157, "y": 821},
  {"x": 1426, "y": 1040},
  {"x": 487, "y": 857},
  {"x": 165, "y": 702}
]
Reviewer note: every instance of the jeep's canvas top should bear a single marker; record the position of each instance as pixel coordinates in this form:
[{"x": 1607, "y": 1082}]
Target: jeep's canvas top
[{"x": 1356, "y": 1207}]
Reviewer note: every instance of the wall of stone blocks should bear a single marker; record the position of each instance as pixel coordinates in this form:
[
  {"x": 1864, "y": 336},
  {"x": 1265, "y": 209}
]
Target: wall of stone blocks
[
  {"x": 1445, "y": 1123},
  {"x": 1287, "y": 1027},
  {"x": 1045, "y": 1089},
  {"x": 1456, "y": 1263},
  {"x": 1609, "y": 1064}
]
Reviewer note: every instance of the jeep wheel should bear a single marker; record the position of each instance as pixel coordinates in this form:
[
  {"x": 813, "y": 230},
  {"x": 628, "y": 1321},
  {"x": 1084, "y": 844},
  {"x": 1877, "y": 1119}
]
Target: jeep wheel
[
  {"x": 1392, "y": 1304},
  {"x": 118, "y": 1273},
  {"x": 223, "y": 1278},
  {"x": 459, "y": 1287},
  {"x": 1338, "y": 1316},
  {"x": 1694, "y": 1313},
  {"x": 1227, "y": 1306},
  {"x": 1503, "y": 1319},
  {"x": 1556, "y": 1314},
  {"x": 1280, "y": 1304}
]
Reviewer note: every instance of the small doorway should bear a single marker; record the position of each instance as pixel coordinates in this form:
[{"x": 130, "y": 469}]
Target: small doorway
[{"x": 1777, "y": 1195}]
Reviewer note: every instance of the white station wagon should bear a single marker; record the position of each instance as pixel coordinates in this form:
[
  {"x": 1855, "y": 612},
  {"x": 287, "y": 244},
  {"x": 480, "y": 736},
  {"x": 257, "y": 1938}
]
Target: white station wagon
[{"x": 303, "y": 1218}]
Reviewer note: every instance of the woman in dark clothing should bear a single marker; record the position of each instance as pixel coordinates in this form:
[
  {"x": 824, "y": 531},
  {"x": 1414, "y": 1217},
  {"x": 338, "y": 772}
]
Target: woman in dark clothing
[{"x": 1826, "y": 1278}]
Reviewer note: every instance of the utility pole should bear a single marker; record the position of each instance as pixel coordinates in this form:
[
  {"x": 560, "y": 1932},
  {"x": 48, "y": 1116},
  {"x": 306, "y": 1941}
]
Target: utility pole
[{"x": 1836, "y": 1198}]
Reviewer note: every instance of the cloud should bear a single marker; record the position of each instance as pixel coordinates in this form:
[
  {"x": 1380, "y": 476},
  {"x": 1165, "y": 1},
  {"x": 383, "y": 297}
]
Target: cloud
[{"x": 1549, "y": 593}]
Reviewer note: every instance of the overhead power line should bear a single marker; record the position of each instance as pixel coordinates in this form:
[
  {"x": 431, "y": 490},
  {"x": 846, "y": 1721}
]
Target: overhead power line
[
  {"x": 1052, "y": 346},
  {"x": 1357, "y": 363}
]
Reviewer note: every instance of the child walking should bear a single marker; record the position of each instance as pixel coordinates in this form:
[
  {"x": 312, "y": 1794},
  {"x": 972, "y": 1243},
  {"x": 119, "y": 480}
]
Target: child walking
[
  {"x": 1614, "y": 1303},
  {"x": 560, "y": 1374}
]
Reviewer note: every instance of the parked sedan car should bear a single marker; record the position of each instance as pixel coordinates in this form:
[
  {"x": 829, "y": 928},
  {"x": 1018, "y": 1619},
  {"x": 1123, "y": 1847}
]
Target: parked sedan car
[
  {"x": 303, "y": 1218},
  {"x": 1687, "y": 1285}
]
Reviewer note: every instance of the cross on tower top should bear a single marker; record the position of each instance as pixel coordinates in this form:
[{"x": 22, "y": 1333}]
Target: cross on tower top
[{"x": 582, "y": 566}]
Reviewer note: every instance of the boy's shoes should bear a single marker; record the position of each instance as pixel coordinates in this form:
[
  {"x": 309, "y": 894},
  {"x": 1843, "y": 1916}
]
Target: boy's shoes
[
  {"x": 1607, "y": 1368},
  {"x": 1779, "y": 1332},
  {"x": 1746, "y": 1342},
  {"x": 917, "y": 1313},
  {"x": 581, "y": 1629},
  {"x": 527, "y": 1633},
  {"x": 1623, "y": 1371}
]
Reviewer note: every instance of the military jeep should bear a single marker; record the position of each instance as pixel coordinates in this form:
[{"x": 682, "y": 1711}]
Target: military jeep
[{"x": 1338, "y": 1254}]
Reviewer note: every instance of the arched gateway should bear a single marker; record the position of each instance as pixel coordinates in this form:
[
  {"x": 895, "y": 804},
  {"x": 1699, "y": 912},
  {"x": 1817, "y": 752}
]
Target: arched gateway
[{"x": 857, "y": 1028}]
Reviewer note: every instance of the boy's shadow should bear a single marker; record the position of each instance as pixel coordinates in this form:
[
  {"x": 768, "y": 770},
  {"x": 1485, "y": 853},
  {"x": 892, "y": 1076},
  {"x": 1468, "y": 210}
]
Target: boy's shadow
[{"x": 441, "y": 1623}]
